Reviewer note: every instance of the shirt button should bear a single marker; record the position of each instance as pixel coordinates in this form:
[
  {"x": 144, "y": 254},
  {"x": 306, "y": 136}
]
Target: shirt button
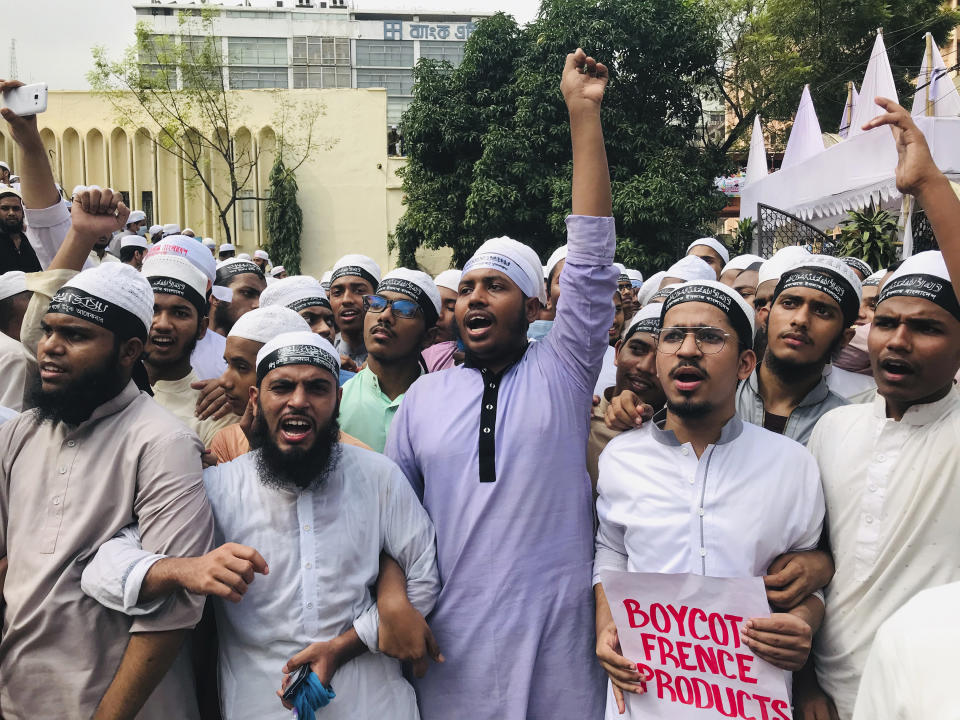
[
  {"x": 702, "y": 512},
  {"x": 71, "y": 443},
  {"x": 56, "y": 501},
  {"x": 307, "y": 566},
  {"x": 492, "y": 385},
  {"x": 63, "y": 470},
  {"x": 306, "y": 527},
  {"x": 489, "y": 407},
  {"x": 703, "y": 552},
  {"x": 868, "y": 519},
  {"x": 486, "y": 430},
  {"x": 684, "y": 451},
  {"x": 692, "y": 479},
  {"x": 881, "y": 458},
  {"x": 309, "y": 605},
  {"x": 871, "y": 487}
]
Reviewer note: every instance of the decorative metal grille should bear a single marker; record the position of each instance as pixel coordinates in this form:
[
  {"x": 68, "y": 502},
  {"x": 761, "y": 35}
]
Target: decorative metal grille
[
  {"x": 923, "y": 238},
  {"x": 777, "y": 229}
]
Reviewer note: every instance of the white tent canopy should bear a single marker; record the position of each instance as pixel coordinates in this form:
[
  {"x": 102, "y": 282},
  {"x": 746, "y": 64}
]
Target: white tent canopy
[
  {"x": 757, "y": 160},
  {"x": 805, "y": 139},
  {"x": 860, "y": 169}
]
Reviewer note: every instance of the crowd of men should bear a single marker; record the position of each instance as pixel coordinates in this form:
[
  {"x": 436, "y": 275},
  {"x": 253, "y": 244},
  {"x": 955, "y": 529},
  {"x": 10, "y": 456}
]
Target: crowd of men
[{"x": 225, "y": 492}]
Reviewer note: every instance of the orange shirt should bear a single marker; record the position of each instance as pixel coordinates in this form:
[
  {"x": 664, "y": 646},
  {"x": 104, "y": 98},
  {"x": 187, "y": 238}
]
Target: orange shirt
[{"x": 230, "y": 443}]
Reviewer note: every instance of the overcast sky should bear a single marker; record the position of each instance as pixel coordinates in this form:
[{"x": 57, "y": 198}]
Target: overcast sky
[{"x": 54, "y": 37}]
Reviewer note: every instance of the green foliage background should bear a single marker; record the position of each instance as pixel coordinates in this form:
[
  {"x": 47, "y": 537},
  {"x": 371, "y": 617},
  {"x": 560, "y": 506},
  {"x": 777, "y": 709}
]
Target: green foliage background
[{"x": 284, "y": 218}]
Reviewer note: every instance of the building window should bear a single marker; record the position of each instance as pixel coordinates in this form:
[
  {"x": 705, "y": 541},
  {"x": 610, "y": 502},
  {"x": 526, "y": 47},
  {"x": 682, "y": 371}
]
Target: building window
[
  {"x": 452, "y": 52},
  {"x": 376, "y": 53},
  {"x": 392, "y": 29},
  {"x": 321, "y": 77},
  {"x": 258, "y": 51},
  {"x": 320, "y": 51},
  {"x": 396, "y": 106},
  {"x": 251, "y": 78},
  {"x": 248, "y": 210},
  {"x": 397, "y": 82}
]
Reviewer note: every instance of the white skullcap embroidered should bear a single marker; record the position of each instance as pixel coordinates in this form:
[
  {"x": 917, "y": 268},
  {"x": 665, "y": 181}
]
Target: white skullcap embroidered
[
  {"x": 187, "y": 247},
  {"x": 690, "y": 268},
  {"x": 714, "y": 245},
  {"x": 663, "y": 293},
  {"x": 741, "y": 262},
  {"x": 874, "y": 279},
  {"x": 232, "y": 267},
  {"x": 278, "y": 270},
  {"x": 714, "y": 292},
  {"x": 261, "y": 255},
  {"x": 171, "y": 229},
  {"x": 449, "y": 279},
  {"x": 209, "y": 243},
  {"x": 12, "y": 283},
  {"x": 173, "y": 275},
  {"x": 298, "y": 348},
  {"x": 112, "y": 295},
  {"x": 357, "y": 266},
  {"x": 264, "y": 323},
  {"x": 133, "y": 241},
  {"x": 829, "y": 275},
  {"x": 636, "y": 277},
  {"x": 325, "y": 279},
  {"x": 243, "y": 256},
  {"x": 858, "y": 265},
  {"x": 924, "y": 276},
  {"x": 136, "y": 216},
  {"x": 647, "y": 320},
  {"x": 417, "y": 286},
  {"x": 155, "y": 230},
  {"x": 515, "y": 260},
  {"x": 650, "y": 287},
  {"x": 555, "y": 257},
  {"x": 295, "y": 292},
  {"x": 227, "y": 247},
  {"x": 782, "y": 259}
]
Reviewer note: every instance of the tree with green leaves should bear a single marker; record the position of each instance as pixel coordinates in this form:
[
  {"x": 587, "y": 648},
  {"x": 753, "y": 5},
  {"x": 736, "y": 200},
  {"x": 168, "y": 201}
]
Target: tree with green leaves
[
  {"x": 284, "y": 218},
  {"x": 488, "y": 141},
  {"x": 771, "y": 48},
  {"x": 176, "y": 85}
]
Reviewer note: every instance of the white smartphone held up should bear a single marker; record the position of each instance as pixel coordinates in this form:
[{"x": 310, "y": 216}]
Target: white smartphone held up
[{"x": 26, "y": 100}]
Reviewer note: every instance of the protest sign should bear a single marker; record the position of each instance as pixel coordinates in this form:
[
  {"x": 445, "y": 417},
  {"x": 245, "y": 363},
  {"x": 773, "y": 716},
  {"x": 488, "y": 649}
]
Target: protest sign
[{"x": 683, "y": 632}]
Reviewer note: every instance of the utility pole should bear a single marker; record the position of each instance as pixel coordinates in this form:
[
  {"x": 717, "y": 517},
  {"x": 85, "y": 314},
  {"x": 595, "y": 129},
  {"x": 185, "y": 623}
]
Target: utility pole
[{"x": 14, "y": 73}]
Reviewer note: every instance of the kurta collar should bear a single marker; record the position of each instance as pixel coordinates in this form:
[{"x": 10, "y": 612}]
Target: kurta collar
[
  {"x": 730, "y": 432},
  {"x": 816, "y": 396},
  {"x": 112, "y": 406},
  {"x": 925, "y": 414}
]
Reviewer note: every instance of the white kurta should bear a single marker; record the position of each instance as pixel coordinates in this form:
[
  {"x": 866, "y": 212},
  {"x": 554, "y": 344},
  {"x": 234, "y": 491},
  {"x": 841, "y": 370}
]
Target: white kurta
[
  {"x": 748, "y": 499},
  {"x": 13, "y": 378},
  {"x": 892, "y": 506},
  {"x": 323, "y": 549},
  {"x": 207, "y": 358},
  {"x": 911, "y": 671}
]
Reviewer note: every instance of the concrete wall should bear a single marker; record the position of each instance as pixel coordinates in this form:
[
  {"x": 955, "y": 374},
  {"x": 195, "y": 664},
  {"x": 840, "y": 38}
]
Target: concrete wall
[{"x": 349, "y": 192}]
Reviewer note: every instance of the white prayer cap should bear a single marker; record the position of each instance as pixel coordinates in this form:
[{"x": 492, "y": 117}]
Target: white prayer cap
[
  {"x": 714, "y": 245},
  {"x": 417, "y": 286},
  {"x": 298, "y": 348},
  {"x": 171, "y": 229},
  {"x": 9, "y": 190},
  {"x": 188, "y": 229},
  {"x": 449, "y": 279},
  {"x": 170, "y": 274},
  {"x": 12, "y": 283},
  {"x": 515, "y": 260},
  {"x": 925, "y": 276},
  {"x": 714, "y": 292},
  {"x": 232, "y": 267},
  {"x": 295, "y": 292},
  {"x": 112, "y": 295},
  {"x": 829, "y": 275},
  {"x": 186, "y": 247},
  {"x": 646, "y": 320},
  {"x": 136, "y": 216},
  {"x": 155, "y": 230},
  {"x": 4, "y": 166},
  {"x": 663, "y": 293},
  {"x": 261, "y": 255},
  {"x": 858, "y": 265},
  {"x": 221, "y": 293},
  {"x": 243, "y": 256},
  {"x": 874, "y": 279},
  {"x": 782, "y": 259},
  {"x": 636, "y": 277},
  {"x": 555, "y": 257},
  {"x": 277, "y": 271},
  {"x": 209, "y": 243},
  {"x": 357, "y": 266},
  {"x": 133, "y": 241},
  {"x": 264, "y": 323},
  {"x": 689, "y": 268},
  {"x": 650, "y": 288},
  {"x": 325, "y": 279},
  {"x": 227, "y": 247},
  {"x": 741, "y": 262}
]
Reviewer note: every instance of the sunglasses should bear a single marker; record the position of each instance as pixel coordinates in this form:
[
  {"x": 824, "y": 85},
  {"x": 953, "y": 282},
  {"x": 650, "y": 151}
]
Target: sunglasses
[{"x": 402, "y": 308}]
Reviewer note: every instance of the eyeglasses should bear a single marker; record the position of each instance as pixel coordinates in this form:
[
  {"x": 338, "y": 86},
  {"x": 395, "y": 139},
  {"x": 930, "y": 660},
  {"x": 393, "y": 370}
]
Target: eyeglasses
[
  {"x": 710, "y": 340},
  {"x": 402, "y": 308}
]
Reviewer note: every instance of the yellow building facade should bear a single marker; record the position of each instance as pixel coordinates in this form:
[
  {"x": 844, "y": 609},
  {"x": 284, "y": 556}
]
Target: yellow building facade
[{"x": 349, "y": 191}]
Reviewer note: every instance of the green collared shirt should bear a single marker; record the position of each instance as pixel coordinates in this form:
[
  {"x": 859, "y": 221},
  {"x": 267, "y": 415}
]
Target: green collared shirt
[{"x": 365, "y": 411}]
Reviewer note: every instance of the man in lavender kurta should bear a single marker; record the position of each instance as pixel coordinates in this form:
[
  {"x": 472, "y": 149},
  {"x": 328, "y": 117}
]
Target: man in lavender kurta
[{"x": 496, "y": 449}]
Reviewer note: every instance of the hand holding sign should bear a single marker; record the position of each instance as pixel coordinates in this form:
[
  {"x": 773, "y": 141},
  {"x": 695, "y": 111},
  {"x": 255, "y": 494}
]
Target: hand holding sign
[{"x": 690, "y": 638}]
